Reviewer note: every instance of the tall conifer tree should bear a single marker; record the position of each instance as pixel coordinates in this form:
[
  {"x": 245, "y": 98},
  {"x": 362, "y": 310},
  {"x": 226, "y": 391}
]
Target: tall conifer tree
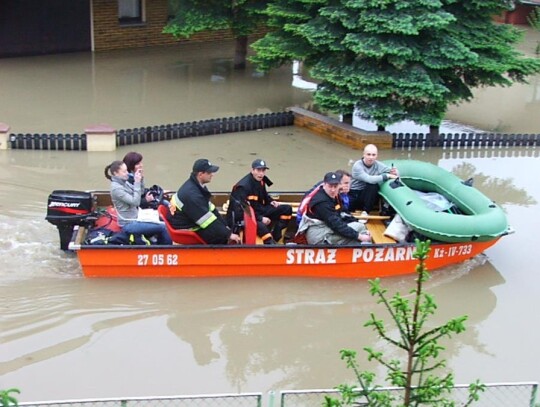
[{"x": 393, "y": 60}]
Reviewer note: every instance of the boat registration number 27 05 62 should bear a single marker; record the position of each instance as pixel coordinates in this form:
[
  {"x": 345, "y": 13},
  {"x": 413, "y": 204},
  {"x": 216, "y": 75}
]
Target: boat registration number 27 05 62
[{"x": 157, "y": 259}]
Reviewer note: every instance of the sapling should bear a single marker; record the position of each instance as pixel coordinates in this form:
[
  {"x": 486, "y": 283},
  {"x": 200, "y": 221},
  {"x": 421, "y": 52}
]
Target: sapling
[{"x": 419, "y": 370}]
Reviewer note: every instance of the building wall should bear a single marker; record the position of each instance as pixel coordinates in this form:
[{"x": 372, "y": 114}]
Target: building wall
[
  {"x": 109, "y": 34},
  {"x": 519, "y": 15}
]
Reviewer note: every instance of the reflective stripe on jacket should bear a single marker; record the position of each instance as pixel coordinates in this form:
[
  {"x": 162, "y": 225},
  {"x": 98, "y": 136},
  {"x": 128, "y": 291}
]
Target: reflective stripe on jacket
[{"x": 193, "y": 210}]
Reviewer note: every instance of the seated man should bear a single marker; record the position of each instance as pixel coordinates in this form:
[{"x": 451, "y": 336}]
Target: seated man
[
  {"x": 326, "y": 223},
  {"x": 344, "y": 187},
  {"x": 191, "y": 208},
  {"x": 271, "y": 217},
  {"x": 367, "y": 175}
]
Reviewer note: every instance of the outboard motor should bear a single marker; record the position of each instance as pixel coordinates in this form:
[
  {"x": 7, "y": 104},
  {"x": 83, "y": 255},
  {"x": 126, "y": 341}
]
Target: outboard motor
[{"x": 66, "y": 209}]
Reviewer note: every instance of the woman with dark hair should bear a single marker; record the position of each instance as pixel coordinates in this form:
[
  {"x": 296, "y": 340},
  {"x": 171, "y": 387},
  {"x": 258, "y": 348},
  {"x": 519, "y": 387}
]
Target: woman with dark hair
[
  {"x": 126, "y": 198},
  {"x": 133, "y": 161}
]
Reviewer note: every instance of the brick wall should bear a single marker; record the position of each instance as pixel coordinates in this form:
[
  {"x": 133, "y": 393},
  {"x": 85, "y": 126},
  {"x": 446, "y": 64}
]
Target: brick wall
[
  {"x": 519, "y": 15},
  {"x": 109, "y": 34},
  {"x": 340, "y": 132}
]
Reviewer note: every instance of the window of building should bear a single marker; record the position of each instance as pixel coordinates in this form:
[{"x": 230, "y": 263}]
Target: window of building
[{"x": 130, "y": 11}]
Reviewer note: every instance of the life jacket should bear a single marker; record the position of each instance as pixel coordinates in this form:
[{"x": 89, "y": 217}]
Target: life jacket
[{"x": 305, "y": 202}]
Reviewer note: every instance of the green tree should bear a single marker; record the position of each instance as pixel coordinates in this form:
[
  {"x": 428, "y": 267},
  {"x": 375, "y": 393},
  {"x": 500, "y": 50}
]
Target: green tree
[
  {"x": 416, "y": 372},
  {"x": 393, "y": 60},
  {"x": 242, "y": 17}
]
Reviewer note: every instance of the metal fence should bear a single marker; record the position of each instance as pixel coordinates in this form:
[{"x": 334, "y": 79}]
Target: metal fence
[
  {"x": 495, "y": 395},
  {"x": 489, "y": 153},
  {"x": 216, "y": 400}
]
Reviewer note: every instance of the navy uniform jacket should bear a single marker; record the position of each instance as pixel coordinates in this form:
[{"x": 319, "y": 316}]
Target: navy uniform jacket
[
  {"x": 324, "y": 208},
  {"x": 248, "y": 189},
  {"x": 193, "y": 210}
]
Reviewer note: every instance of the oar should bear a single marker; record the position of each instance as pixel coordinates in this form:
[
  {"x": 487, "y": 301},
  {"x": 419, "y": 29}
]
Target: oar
[{"x": 358, "y": 215}]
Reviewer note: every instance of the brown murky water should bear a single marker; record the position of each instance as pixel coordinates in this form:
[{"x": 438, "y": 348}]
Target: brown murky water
[
  {"x": 63, "y": 336},
  {"x": 144, "y": 87}
]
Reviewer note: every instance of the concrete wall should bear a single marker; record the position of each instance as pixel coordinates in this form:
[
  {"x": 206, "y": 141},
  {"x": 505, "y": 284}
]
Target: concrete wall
[{"x": 339, "y": 132}]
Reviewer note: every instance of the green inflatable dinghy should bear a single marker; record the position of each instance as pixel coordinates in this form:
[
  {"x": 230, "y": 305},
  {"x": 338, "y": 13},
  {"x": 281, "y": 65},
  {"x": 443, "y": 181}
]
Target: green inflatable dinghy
[{"x": 480, "y": 219}]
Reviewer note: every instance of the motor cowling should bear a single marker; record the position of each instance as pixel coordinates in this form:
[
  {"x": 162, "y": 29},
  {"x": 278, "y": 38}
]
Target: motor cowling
[{"x": 66, "y": 209}]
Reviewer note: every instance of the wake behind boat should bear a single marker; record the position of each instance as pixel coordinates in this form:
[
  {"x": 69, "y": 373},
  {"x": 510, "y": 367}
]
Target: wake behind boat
[{"x": 77, "y": 213}]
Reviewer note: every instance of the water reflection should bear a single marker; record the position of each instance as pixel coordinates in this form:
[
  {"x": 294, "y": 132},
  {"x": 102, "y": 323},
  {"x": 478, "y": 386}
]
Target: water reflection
[
  {"x": 493, "y": 186},
  {"x": 214, "y": 336},
  {"x": 164, "y": 85},
  {"x": 223, "y": 321},
  {"x": 136, "y": 88}
]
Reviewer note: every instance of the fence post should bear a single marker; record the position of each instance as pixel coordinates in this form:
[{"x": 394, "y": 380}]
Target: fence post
[
  {"x": 100, "y": 137},
  {"x": 271, "y": 398},
  {"x": 4, "y": 136}
]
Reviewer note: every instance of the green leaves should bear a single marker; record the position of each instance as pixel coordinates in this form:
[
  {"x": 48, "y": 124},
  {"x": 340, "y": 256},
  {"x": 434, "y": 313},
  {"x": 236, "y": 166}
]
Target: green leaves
[
  {"x": 191, "y": 16},
  {"x": 7, "y": 399},
  {"x": 391, "y": 60},
  {"x": 415, "y": 371}
]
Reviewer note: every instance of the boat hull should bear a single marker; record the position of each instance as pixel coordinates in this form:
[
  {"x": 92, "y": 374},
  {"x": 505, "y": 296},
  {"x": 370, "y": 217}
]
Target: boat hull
[{"x": 368, "y": 261}]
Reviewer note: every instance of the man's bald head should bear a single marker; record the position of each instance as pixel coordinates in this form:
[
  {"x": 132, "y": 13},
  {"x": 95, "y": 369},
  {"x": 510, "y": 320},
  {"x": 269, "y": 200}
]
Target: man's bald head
[{"x": 370, "y": 154}]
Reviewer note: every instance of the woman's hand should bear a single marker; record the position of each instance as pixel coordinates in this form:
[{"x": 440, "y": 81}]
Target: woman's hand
[
  {"x": 138, "y": 176},
  {"x": 149, "y": 197}
]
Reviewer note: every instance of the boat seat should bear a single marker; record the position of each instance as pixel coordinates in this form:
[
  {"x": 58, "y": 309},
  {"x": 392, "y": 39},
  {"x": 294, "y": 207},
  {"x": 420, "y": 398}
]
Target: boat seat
[
  {"x": 179, "y": 236},
  {"x": 249, "y": 232},
  {"x": 250, "y": 227},
  {"x": 376, "y": 228}
]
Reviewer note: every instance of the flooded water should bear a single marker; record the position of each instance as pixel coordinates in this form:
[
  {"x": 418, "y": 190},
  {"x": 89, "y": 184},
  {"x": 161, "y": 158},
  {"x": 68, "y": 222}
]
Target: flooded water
[
  {"x": 134, "y": 88},
  {"x": 165, "y": 85},
  {"x": 63, "y": 336}
]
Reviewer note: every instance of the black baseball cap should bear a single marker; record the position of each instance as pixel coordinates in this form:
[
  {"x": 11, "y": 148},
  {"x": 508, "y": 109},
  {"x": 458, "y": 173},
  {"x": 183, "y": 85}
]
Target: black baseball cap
[
  {"x": 258, "y": 163},
  {"x": 203, "y": 165},
  {"x": 332, "y": 178}
]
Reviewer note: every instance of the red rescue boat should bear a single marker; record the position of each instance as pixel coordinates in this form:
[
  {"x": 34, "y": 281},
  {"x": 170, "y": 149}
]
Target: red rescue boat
[{"x": 75, "y": 213}]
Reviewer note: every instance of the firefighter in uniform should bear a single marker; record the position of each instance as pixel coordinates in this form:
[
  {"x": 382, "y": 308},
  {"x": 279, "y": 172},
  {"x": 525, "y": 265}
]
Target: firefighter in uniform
[
  {"x": 272, "y": 217},
  {"x": 326, "y": 223},
  {"x": 192, "y": 209}
]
